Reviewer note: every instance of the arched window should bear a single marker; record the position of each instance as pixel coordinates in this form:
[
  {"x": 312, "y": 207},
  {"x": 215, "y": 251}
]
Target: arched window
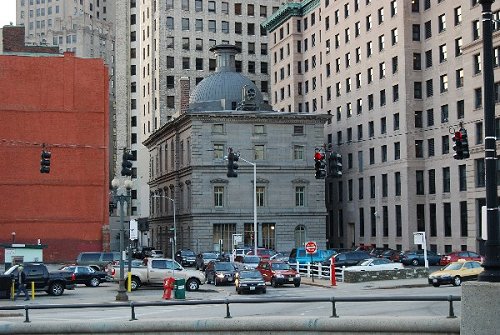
[{"x": 300, "y": 236}]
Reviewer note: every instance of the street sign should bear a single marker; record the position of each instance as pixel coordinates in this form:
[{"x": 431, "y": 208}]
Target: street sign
[{"x": 311, "y": 247}]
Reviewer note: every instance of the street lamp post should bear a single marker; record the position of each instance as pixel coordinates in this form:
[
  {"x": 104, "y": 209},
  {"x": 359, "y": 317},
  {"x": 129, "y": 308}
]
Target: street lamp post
[
  {"x": 122, "y": 199},
  {"x": 491, "y": 263},
  {"x": 254, "y": 202}
]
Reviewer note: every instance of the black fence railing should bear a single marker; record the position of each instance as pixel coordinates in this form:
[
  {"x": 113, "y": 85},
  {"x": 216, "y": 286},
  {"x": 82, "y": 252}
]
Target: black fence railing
[{"x": 333, "y": 300}]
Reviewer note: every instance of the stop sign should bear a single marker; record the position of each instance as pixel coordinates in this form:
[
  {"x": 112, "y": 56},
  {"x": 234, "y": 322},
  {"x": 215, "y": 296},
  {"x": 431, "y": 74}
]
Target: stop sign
[{"x": 311, "y": 247}]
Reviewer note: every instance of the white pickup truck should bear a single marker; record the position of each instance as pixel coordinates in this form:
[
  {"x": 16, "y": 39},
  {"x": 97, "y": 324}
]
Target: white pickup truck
[{"x": 156, "y": 270}]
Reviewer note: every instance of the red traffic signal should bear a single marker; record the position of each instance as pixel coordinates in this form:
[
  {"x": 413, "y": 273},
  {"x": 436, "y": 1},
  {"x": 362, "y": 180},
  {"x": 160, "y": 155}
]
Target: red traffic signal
[{"x": 318, "y": 156}]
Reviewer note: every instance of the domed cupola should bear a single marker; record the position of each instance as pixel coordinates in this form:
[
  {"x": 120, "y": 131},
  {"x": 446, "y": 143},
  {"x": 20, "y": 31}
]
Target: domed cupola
[{"x": 225, "y": 89}]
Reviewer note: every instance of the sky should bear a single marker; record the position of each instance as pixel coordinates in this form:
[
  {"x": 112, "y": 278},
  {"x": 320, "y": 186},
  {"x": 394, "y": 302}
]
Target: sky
[{"x": 7, "y": 12}]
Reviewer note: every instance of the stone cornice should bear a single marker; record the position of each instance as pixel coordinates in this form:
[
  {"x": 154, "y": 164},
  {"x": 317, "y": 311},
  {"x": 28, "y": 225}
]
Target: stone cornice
[
  {"x": 287, "y": 11},
  {"x": 219, "y": 181}
]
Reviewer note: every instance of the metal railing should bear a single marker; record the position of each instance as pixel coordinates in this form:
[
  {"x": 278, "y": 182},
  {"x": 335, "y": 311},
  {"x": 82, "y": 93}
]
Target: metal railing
[
  {"x": 333, "y": 300},
  {"x": 317, "y": 270}
]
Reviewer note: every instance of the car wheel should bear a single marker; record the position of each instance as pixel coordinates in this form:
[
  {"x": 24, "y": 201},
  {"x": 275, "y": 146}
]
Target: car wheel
[
  {"x": 415, "y": 262},
  {"x": 435, "y": 284},
  {"x": 457, "y": 281},
  {"x": 56, "y": 289},
  {"x": 296, "y": 284},
  {"x": 94, "y": 282},
  {"x": 238, "y": 291},
  {"x": 192, "y": 285},
  {"x": 273, "y": 283},
  {"x": 135, "y": 283},
  {"x": 264, "y": 291}
]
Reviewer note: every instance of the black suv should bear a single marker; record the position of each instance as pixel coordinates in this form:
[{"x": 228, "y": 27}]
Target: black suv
[{"x": 185, "y": 257}]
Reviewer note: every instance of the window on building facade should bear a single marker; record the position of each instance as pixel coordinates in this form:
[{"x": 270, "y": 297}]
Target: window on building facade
[
  {"x": 445, "y": 144},
  {"x": 300, "y": 196},
  {"x": 219, "y": 196},
  {"x": 397, "y": 183},
  {"x": 397, "y": 151},
  {"x": 298, "y": 152},
  {"x": 458, "y": 47},
  {"x": 258, "y": 152},
  {"x": 260, "y": 193},
  {"x": 432, "y": 181},
  {"x": 446, "y": 179},
  {"x": 420, "y": 181}
]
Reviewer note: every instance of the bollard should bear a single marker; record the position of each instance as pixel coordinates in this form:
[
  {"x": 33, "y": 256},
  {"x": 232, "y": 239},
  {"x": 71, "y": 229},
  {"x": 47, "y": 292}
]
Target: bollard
[
  {"x": 129, "y": 282},
  {"x": 332, "y": 272},
  {"x": 32, "y": 290},
  {"x": 12, "y": 290}
]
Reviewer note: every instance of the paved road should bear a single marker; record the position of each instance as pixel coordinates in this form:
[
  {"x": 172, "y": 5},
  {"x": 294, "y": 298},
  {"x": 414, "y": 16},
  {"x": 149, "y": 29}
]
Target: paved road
[{"x": 106, "y": 293}]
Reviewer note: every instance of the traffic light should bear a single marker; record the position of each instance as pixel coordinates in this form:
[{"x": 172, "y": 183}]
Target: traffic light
[
  {"x": 461, "y": 146},
  {"x": 45, "y": 161},
  {"x": 320, "y": 164},
  {"x": 465, "y": 143},
  {"x": 335, "y": 165},
  {"x": 126, "y": 163},
  {"x": 231, "y": 165}
]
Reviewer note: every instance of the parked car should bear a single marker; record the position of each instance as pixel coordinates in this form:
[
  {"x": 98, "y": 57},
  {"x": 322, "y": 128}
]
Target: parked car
[
  {"x": 53, "y": 282},
  {"x": 278, "y": 273},
  {"x": 456, "y": 255},
  {"x": 455, "y": 273},
  {"x": 241, "y": 251},
  {"x": 185, "y": 257},
  {"x": 263, "y": 253},
  {"x": 220, "y": 272},
  {"x": 155, "y": 253},
  {"x": 348, "y": 258},
  {"x": 246, "y": 262},
  {"x": 280, "y": 256},
  {"x": 100, "y": 259},
  {"x": 248, "y": 281},
  {"x": 416, "y": 257},
  {"x": 156, "y": 270},
  {"x": 377, "y": 252},
  {"x": 375, "y": 264},
  {"x": 390, "y": 254},
  {"x": 86, "y": 275},
  {"x": 299, "y": 255},
  {"x": 203, "y": 258}
]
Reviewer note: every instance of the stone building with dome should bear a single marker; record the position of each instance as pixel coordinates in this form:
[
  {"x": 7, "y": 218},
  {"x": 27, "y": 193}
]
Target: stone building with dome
[{"x": 190, "y": 192}]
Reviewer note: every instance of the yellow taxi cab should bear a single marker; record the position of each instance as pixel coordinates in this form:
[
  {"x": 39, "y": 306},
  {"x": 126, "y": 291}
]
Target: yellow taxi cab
[{"x": 455, "y": 273}]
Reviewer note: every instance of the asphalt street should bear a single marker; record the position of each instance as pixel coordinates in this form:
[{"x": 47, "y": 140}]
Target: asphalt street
[{"x": 106, "y": 294}]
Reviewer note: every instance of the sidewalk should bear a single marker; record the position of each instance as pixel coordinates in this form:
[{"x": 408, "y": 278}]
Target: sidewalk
[{"x": 378, "y": 284}]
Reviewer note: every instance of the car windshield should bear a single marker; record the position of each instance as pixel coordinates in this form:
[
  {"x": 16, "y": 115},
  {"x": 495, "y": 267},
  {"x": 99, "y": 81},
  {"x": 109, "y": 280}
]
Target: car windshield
[
  {"x": 224, "y": 267},
  {"x": 364, "y": 262},
  {"x": 188, "y": 253},
  {"x": 454, "y": 266},
  {"x": 251, "y": 259},
  {"x": 250, "y": 274},
  {"x": 281, "y": 266},
  {"x": 209, "y": 255},
  {"x": 387, "y": 253}
]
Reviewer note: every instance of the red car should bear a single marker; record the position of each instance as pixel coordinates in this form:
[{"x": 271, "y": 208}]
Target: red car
[
  {"x": 456, "y": 255},
  {"x": 278, "y": 273},
  {"x": 263, "y": 253}
]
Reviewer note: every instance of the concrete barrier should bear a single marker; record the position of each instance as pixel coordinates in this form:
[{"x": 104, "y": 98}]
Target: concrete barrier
[
  {"x": 248, "y": 325},
  {"x": 408, "y": 273}
]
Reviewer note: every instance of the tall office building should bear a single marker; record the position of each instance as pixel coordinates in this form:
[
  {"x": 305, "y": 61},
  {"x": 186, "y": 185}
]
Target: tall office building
[{"x": 397, "y": 77}]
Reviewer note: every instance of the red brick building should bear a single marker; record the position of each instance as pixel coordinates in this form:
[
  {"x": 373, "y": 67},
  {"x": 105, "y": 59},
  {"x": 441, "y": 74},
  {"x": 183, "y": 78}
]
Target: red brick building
[{"x": 62, "y": 101}]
